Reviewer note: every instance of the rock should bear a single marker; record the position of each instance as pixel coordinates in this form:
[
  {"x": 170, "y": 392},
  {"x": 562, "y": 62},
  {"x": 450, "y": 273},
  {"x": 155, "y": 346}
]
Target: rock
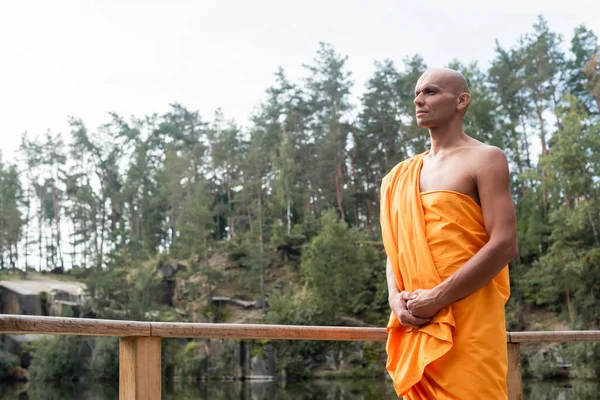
[
  {"x": 258, "y": 368},
  {"x": 164, "y": 292},
  {"x": 169, "y": 270},
  {"x": 18, "y": 374}
]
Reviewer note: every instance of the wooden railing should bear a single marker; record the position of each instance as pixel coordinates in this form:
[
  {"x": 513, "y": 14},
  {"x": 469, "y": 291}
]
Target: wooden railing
[{"x": 139, "y": 364}]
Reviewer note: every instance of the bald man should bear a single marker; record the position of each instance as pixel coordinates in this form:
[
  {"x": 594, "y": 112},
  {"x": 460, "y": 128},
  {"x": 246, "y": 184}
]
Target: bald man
[{"x": 449, "y": 230}]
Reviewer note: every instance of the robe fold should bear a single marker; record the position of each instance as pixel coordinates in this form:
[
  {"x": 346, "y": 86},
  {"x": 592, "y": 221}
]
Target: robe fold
[{"x": 462, "y": 353}]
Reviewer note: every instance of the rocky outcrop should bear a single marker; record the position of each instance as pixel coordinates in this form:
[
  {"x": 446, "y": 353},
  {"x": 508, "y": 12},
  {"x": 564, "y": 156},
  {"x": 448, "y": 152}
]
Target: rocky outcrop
[
  {"x": 164, "y": 291},
  {"x": 41, "y": 297}
]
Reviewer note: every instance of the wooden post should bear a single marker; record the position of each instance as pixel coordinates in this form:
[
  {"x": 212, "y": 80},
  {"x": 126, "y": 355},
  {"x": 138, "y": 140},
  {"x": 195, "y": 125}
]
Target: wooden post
[
  {"x": 139, "y": 368},
  {"x": 513, "y": 380}
]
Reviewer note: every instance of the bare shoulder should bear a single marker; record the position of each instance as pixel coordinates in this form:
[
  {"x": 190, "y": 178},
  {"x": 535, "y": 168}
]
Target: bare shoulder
[
  {"x": 490, "y": 172},
  {"x": 486, "y": 158},
  {"x": 400, "y": 168}
]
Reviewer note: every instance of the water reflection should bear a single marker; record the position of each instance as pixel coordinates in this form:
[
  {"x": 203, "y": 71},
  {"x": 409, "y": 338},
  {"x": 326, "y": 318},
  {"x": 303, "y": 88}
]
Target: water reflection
[
  {"x": 48, "y": 391},
  {"x": 220, "y": 390},
  {"x": 567, "y": 390},
  {"x": 335, "y": 390}
]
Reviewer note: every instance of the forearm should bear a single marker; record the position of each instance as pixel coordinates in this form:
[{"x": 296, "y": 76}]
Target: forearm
[
  {"x": 476, "y": 272},
  {"x": 391, "y": 280}
]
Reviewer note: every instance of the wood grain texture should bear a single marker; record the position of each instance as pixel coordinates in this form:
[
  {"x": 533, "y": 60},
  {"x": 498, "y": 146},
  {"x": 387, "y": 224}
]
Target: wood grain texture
[
  {"x": 554, "y": 336},
  {"x": 257, "y": 331},
  {"x": 139, "y": 368},
  {"x": 513, "y": 380},
  {"x": 23, "y": 324}
]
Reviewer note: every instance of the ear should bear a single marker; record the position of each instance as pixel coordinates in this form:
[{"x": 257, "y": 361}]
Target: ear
[{"x": 462, "y": 101}]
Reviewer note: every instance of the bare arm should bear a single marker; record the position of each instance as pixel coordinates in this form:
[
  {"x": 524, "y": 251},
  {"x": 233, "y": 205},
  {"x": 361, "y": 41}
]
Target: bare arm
[
  {"x": 391, "y": 280},
  {"x": 500, "y": 222}
]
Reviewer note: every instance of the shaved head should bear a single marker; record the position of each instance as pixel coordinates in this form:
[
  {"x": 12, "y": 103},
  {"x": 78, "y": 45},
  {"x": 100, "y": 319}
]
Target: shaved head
[
  {"x": 441, "y": 94},
  {"x": 448, "y": 77}
]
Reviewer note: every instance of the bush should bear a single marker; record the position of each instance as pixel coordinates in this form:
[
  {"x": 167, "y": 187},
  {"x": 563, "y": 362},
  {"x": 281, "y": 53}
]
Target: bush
[
  {"x": 104, "y": 365},
  {"x": 58, "y": 358},
  {"x": 341, "y": 269},
  {"x": 7, "y": 361}
]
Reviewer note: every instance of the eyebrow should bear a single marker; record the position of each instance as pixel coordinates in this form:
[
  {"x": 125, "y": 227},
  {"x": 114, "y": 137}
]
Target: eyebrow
[{"x": 427, "y": 88}]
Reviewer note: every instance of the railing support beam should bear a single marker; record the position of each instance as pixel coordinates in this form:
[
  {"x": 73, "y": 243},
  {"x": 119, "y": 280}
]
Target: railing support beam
[
  {"x": 514, "y": 380},
  {"x": 139, "y": 368}
]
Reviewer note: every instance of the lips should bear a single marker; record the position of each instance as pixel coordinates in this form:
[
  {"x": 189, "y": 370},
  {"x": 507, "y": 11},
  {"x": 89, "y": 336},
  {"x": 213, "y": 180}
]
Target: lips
[{"x": 420, "y": 112}]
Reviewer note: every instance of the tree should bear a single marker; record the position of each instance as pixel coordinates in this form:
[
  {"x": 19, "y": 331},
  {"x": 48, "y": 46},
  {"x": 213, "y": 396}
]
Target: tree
[
  {"x": 573, "y": 259},
  {"x": 11, "y": 218},
  {"x": 338, "y": 267},
  {"x": 328, "y": 88},
  {"x": 584, "y": 68},
  {"x": 224, "y": 153}
]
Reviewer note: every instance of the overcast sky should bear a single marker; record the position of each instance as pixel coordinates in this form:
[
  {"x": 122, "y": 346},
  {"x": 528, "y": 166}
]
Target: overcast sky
[{"x": 87, "y": 58}]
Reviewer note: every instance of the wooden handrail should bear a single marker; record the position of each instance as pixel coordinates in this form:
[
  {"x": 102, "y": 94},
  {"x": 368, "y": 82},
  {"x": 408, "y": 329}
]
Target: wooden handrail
[
  {"x": 139, "y": 376},
  {"x": 24, "y": 324},
  {"x": 553, "y": 336}
]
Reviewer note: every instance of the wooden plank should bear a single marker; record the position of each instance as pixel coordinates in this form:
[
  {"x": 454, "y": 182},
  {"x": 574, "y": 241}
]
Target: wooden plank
[
  {"x": 554, "y": 336},
  {"x": 514, "y": 380},
  {"x": 139, "y": 368},
  {"x": 24, "y": 324},
  {"x": 257, "y": 331}
]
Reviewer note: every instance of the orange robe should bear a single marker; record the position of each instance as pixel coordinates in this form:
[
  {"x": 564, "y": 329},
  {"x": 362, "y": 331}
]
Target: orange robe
[{"x": 462, "y": 353}]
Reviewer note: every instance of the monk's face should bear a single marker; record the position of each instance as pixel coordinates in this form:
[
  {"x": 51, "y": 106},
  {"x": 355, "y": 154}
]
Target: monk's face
[{"x": 437, "y": 99}]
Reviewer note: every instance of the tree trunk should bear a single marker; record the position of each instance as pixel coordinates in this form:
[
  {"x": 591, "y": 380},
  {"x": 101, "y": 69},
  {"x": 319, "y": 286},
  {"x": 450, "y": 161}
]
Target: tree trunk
[
  {"x": 525, "y": 142},
  {"x": 229, "y": 205},
  {"x": 289, "y": 217},
  {"x": 56, "y": 209},
  {"x": 339, "y": 190},
  {"x": 27, "y": 221},
  {"x": 354, "y": 177},
  {"x": 539, "y": 110},
  {"x": 369, "y": 217},
  {"x": 260, "y": 243},
  {"x": 100, "y": 254},
  {"x": 40, "y": 226},
  {"x": 571, "y": 316}
]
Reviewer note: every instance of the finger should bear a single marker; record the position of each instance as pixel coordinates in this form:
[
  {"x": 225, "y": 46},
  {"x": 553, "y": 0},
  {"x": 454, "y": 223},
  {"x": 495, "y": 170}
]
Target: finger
[
  {"x": 407, "y": 295},
  {"x": 411, "y": 319},
  {"x": 412, "y": 306}
]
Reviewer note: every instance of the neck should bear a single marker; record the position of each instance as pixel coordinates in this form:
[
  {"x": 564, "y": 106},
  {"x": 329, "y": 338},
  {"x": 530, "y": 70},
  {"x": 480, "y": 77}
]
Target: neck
[{"x": 446, "y": 137}]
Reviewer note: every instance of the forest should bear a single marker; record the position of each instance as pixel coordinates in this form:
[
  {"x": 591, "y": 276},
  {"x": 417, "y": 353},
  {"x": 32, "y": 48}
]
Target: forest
[{"x": 297, "y": 190}]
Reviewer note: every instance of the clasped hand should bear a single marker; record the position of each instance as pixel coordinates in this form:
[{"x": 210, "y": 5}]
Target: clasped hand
[{"x": 415, "y": 309}]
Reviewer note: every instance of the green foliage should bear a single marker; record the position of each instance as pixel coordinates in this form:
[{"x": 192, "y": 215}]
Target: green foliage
[
  {"x": 7, "y": 361},
  {"x": 339, "y": 268},
  {"x": 238, "y": 251},
  {"x": 58, "y": 358},
  {"x": 299, "y": 308},
  {"x": 104, "y": 364}
]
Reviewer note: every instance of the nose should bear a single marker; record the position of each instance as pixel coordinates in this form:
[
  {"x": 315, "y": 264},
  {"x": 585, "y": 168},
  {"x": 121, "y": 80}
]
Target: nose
[{"x": 419, "y": 101}]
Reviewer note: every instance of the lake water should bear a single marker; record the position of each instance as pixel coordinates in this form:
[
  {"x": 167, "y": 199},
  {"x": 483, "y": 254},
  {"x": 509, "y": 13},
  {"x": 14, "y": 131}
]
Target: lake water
[{"x": 220, "y": 390}]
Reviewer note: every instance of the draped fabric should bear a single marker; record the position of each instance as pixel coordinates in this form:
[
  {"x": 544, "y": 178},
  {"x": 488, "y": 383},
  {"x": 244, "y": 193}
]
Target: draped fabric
[{"x": 462, "y": 353}]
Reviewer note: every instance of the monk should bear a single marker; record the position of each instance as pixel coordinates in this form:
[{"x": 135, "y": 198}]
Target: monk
[{"x": 449, "y": 231}]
